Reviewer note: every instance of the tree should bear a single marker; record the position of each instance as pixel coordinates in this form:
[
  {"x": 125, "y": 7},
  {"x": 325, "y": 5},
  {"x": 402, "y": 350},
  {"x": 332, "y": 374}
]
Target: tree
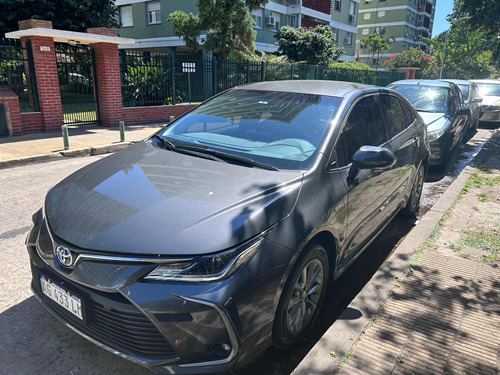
[
  {"x": 479, "y": 14},
  {"x": 376, "y": 44},
  {"x": 73, "y": 15},
  {"x": 313, "y": 45},
  {"x": 227, "y": 23},
  {"x": 468, "y": 51}
]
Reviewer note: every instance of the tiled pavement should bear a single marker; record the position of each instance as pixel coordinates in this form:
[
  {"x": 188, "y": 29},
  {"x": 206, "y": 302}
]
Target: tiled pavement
[{"x": 442, "y": 318}]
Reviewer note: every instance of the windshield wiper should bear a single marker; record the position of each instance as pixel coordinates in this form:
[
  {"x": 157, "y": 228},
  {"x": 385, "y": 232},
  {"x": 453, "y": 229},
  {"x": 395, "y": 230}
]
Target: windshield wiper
[
  {"x": 165, "y": 142},
  {"x": 221, "y": 155}
]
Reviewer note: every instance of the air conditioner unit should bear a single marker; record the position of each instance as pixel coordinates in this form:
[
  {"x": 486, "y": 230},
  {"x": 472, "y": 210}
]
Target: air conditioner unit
[
  {"x": 270, "y": 21},
  {"x": 351, "y": 17}
]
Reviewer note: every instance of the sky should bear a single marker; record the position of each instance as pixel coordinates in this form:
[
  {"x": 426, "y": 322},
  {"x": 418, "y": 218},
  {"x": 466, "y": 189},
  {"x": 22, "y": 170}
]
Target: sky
[{"x": 443, "y": 8}]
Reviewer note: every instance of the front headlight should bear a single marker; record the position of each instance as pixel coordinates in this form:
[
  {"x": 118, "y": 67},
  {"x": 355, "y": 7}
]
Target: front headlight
[
  {"x": 208, "y": 267},
  {"x": 434, "y": 135}
]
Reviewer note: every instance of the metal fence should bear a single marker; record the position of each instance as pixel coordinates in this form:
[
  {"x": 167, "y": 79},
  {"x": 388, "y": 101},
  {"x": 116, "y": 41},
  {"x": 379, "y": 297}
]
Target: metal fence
[
  {"x": 17, "y": 72},
  {"x": 157, "y": 78}
]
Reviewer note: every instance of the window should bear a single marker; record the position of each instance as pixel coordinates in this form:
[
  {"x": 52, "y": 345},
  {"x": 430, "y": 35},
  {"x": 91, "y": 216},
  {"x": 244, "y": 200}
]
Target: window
[
  {"x": 257, "y": 18},
  {"x": 352, "y": 8},
  {"x": 293, "y": 21},
  {"x": 126, "y": 16},
  {"x": 364, "y": 127},
  {"x": 277, "y": 18},
  {"x": 153, "y": 12},
  {"x": 381, "y": 14},
  {"x": 367, "y": 16},
  {"x": 396, "y": 120},
  {"x": 336, "y": 34},
  {"x": 337, "y": 5},
  {"x": 348, "y": 39},
  {"x": 365, "y": 32}
]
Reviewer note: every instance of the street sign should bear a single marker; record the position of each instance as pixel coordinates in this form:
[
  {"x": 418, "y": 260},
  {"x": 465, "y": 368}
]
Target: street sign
[{"x": 188, "y": 67}]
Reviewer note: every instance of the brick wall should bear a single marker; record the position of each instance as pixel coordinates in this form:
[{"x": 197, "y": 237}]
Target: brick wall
[
  {"x": 32, "y": 122},
  {"x": 12, "y": 110},
  {"x": 144, "y": 115}
]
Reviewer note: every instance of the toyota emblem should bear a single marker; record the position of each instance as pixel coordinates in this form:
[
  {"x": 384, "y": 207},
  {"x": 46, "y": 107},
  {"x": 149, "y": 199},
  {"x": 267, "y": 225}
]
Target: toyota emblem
[{"x": 64, "y": 256}]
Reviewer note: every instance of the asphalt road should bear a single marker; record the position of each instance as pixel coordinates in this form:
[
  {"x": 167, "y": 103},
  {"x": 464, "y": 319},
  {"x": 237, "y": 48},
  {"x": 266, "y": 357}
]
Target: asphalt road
[{"x": 34, "y": 342}]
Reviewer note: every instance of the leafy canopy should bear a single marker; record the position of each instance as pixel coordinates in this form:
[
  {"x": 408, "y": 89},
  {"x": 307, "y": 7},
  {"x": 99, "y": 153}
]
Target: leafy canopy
[
  {"x": 468, "y": 51},
  {"x": 227, "y": 23},
  {"x": 479, "y": 14},
  {"x": 376, "y": 43},
  {"x": 313, "y": 45},
  {"x": 73, "y": 15}
]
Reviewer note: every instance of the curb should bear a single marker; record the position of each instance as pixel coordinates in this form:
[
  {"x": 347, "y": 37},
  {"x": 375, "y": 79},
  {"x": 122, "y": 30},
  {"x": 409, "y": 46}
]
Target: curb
[
  {"x": 60, "y": 155},
  {"x": 345, "y": 331}
]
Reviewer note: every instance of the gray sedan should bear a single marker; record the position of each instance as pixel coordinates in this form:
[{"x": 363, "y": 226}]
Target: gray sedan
[{"x": 195, "y": 249}]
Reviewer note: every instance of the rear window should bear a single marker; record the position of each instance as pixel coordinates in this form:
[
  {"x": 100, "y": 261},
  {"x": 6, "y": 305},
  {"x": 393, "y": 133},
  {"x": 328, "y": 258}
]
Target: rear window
[
  {"x": 489, "y": 89},
  {"x": 278, "y": 128}
]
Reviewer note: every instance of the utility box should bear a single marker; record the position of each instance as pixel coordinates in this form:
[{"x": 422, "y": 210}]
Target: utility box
[{"x": 4, "y": 130}]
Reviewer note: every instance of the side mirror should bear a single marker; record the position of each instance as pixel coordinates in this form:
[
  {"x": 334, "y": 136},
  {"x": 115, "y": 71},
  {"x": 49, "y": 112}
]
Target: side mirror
[
  {"x": 463, "y": 111},
  {"x": 373, "y": 157}
]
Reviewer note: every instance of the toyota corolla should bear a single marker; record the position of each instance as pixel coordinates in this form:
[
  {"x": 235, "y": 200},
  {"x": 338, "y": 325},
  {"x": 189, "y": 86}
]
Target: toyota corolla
[{"x": 195, "y": 249}]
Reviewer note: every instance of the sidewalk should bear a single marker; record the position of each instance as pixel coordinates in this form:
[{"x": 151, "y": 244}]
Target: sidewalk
[
  {"x": 443, "y": 315},
  {"x": 20, "y": 150}
]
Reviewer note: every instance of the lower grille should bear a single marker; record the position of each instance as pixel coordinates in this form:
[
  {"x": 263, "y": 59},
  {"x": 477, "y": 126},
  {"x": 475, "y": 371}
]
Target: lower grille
[{"x": 124, "y": 329}]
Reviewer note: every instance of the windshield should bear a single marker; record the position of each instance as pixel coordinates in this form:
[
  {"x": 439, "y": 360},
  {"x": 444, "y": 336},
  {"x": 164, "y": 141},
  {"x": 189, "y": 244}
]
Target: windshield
[
  {"x": 489, "y": 89},
  {"x": 281, "y": 129},
  {"x": 425, "y": 98}
]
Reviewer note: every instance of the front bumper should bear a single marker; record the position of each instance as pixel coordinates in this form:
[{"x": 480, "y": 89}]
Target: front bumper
[{"x": 169, "y": 327}]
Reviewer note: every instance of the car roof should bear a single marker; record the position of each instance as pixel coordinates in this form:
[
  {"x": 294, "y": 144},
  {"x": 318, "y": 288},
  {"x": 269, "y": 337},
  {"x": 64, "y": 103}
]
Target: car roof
[
  {"x": 486, "y": 81},
  {"x": 424, "y": 82},
  {"x": 458, "y": 81},
  {"x": 328, "y": 88}
]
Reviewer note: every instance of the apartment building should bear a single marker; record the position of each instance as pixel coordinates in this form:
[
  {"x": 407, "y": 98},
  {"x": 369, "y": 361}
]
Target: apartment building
[
  {"x": 402, "y": 22},
  {"x": 146, "y": 21}
]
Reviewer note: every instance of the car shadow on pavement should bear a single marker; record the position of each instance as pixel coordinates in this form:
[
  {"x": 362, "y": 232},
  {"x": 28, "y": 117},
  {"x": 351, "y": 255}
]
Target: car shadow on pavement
[{"x": 35, "y": 342}]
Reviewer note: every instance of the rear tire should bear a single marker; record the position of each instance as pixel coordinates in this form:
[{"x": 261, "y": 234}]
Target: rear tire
[
  {"x": 302, "y": 297},
  {"x": 413, "y": 204}
]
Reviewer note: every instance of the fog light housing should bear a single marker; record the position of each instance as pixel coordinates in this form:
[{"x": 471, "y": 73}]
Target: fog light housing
[{"x": 220, "y": 349}]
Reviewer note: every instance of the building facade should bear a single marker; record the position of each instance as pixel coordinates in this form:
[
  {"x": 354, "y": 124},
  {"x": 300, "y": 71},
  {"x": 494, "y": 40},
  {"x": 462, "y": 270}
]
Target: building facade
[
  {"x": 402, "y": 22},
  {"x": 146, "y": 21}
]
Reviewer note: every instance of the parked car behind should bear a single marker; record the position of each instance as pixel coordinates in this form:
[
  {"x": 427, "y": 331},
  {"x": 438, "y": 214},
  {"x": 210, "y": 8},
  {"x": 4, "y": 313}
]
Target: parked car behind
[
  {"x": 472, "y": 99},
  {"x": 489, "y": 89},
  {"x": 441, "y": 107},
  {"x": 195, "y": 249}
]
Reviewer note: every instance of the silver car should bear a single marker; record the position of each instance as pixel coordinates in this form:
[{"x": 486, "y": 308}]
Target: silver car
[
  {"x": 489, "y": 89},
  {"x": 472, "y": 99}
]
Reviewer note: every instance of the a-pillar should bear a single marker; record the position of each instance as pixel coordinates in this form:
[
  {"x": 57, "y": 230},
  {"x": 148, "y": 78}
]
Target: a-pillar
[
  {"x": 44, "y": 58},
  {"x": 107, "y": 65}
]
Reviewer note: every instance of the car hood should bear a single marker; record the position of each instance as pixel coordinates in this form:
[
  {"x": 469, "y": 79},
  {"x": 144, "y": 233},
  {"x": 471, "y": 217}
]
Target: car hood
[
  {"x": 147, "y": 200},
  {"x": 433, "y": 120}
]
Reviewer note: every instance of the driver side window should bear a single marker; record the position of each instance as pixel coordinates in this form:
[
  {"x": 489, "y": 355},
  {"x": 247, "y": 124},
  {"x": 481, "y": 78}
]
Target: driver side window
[{"x": 364, "y": 127}]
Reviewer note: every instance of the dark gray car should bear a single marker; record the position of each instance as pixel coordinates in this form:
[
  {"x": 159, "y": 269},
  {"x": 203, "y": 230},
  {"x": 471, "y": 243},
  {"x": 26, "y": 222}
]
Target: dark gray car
[
  {"x": 195, "y": 249},
  {"x": 441, "y": 106}
]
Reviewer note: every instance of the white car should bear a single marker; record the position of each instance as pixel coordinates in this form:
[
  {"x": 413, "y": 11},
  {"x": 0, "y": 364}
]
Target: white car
[{"x": 489, "y": 89}]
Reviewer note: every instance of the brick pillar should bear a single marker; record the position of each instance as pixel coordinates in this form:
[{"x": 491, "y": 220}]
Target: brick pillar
[
  {"x": 409, "y": 72},
  {"x": 108, "y": 78},
  {"x": 44, "y": 57}
]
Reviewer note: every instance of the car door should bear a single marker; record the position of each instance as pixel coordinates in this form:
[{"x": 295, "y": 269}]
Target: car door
[
  {"x": 369, "y": 190},
  {"x": 475, "y": 101},
  {"x": 458, "y": 121}
]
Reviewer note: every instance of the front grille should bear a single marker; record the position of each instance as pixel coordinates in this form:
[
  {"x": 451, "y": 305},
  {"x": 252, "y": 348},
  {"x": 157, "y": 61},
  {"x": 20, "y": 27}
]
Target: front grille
[{"x": 124, "y": 329}]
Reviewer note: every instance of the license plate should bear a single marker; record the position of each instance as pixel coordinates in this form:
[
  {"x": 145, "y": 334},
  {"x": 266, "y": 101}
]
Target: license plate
[{"x": 62, "y": 297}]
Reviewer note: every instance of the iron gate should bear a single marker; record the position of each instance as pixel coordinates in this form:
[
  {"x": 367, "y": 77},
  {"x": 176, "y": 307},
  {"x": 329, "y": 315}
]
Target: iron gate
[{"x": 77, "y": 84}]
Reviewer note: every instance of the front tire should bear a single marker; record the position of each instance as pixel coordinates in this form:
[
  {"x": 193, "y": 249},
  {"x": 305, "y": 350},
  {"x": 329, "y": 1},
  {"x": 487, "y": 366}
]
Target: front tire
[{"x": 302, "y": 297}]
